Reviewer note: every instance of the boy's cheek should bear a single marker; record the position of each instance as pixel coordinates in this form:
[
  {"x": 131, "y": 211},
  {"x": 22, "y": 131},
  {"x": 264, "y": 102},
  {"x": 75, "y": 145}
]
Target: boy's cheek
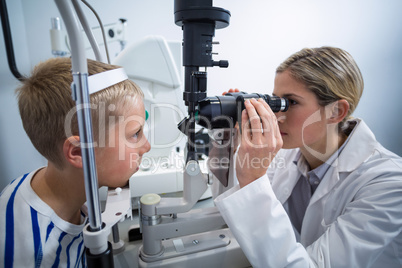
[{"x": 135, "y": 161}]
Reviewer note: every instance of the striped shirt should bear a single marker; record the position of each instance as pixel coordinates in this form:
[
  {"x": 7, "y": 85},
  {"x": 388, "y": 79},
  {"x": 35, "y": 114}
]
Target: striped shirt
[{"x": 32, "y": 235}]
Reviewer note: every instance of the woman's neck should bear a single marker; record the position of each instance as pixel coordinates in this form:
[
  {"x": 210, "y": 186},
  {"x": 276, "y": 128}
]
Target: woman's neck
[{"x": 316, "y": 157}]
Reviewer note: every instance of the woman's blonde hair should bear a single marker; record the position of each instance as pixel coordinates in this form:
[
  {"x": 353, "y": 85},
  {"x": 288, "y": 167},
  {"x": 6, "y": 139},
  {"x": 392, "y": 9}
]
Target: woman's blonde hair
[
  {"x": 45, "y": 103},
  {"x": 330, "y": 73}
]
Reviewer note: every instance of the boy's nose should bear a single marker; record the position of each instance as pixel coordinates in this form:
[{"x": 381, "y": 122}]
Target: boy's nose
[{"x": 147, "y": 146}]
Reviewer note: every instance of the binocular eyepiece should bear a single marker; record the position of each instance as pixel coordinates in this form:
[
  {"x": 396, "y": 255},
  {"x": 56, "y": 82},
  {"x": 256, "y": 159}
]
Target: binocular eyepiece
[{"x": 225, "y": 111}]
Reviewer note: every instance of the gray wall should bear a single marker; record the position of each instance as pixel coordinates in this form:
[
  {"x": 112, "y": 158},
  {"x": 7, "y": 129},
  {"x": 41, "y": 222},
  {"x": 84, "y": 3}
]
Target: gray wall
[{"x": 260, "y": 36}]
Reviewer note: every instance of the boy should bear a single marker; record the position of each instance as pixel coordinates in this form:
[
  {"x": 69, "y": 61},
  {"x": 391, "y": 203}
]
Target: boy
[{"x": 42, "y": 213}]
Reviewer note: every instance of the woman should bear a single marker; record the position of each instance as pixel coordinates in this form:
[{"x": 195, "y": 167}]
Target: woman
[{"x": 332, "y": 197}]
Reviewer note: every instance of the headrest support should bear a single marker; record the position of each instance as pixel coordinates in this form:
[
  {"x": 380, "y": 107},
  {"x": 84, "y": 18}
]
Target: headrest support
[{"x": 100, "y": 81}]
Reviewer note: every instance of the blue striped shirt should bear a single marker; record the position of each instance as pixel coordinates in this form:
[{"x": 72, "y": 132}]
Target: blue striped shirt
[{"x": 32, "y": 235}]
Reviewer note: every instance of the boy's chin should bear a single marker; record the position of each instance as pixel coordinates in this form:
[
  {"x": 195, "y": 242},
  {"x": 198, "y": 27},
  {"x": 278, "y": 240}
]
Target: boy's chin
[
  {"x": 125, "y": 185},
  {"x": 121, "y": 185}
]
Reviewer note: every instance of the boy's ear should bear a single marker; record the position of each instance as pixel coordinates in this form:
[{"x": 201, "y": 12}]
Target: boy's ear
[
  {"x": 338, "y": 111},
  {"x": 72, "y": 151}
]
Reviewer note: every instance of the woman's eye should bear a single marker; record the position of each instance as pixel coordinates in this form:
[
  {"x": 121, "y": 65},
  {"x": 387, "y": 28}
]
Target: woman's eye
[{"x": 292, "y": 102}]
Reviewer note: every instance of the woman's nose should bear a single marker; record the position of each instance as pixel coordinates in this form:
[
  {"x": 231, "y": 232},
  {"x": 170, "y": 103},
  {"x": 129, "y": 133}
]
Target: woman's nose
[{"x": 281, "y": 117}]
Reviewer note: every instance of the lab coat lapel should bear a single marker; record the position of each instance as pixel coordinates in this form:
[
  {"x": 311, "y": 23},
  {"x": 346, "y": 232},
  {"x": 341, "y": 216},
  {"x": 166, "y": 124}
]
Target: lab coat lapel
[
  {"x": 288, "y": 175},
  {"x": 328, "y": 182},
  {"x": 313, "y": 226}
]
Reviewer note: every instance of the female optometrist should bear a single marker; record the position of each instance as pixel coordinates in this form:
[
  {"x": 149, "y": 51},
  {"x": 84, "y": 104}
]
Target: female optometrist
[{"x": 332, "y": 197}]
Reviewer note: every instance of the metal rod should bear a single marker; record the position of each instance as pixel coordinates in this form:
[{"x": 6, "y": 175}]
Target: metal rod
[
  {"x": 87, "y": 30},
  {"x": 81, "y": 96},
  {"x": 115, "y": 233}
]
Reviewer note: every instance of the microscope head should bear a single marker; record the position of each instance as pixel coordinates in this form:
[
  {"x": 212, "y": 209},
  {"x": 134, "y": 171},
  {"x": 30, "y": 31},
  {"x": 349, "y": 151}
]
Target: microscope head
[{"x": 199, "y": 19}]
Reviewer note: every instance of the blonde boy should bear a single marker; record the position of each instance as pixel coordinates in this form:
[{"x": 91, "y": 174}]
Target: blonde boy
[{"x": 42, "y": 213}]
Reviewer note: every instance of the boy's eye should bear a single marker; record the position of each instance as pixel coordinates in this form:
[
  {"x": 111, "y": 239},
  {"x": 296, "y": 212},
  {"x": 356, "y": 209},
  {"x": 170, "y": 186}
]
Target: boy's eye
[{"x": 136, "y": 135}]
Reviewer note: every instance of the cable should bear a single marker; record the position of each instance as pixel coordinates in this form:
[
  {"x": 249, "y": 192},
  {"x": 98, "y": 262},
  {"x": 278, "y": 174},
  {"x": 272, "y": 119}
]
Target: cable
[
  {"x": 101, "y": 26},
  {"x": 9, "y": 41}
]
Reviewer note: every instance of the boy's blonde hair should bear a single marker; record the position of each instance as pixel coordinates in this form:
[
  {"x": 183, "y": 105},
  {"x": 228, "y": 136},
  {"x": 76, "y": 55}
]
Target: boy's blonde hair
[
  {"x": 45, "y": 101},
  {"x": 330, "y": 73}
]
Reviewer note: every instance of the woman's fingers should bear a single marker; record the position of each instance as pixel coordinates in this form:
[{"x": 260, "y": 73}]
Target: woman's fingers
[
  {"x": 268, "y": 122},
  {"x": 271, "y": 128},
  {"x": 230, "y": 91},
  {"x": 261, "y": 128},
  {"x": 246, "y": 133},
  {"x": 258, "y": 141},
  {"x": 253, "y": 125},
  {"x": 260, "y": 117}
]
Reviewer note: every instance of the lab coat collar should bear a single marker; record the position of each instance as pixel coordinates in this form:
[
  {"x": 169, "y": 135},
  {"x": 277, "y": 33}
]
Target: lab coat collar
[{"x": 360, "y": 147}]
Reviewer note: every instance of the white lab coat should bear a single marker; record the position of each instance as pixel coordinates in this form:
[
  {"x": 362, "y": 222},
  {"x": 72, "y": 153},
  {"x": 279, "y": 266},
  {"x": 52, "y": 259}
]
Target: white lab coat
[{"x": 354, "y": 218}]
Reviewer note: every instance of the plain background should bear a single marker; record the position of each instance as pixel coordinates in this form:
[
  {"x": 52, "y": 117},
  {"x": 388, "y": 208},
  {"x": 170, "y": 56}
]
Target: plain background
[{"x": 260, "y": 36}]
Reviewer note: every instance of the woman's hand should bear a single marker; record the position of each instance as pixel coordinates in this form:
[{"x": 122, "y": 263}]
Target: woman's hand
[
  {"x": 260, "y": 141},
  {"x": 230, "y": 91}
]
